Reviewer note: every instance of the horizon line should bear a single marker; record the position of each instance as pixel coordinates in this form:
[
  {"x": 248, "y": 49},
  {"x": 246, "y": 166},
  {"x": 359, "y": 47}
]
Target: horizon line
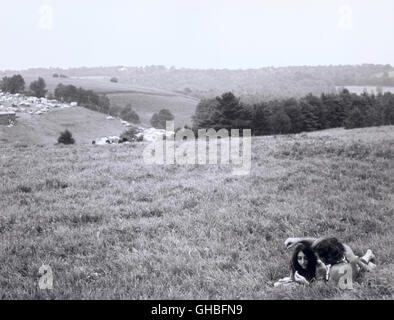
[{"x": 198, "y": 69}]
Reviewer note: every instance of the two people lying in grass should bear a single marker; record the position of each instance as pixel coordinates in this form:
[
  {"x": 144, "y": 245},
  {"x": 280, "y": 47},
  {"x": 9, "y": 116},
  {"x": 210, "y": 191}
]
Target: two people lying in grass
[{"x": 325, "y": 259}]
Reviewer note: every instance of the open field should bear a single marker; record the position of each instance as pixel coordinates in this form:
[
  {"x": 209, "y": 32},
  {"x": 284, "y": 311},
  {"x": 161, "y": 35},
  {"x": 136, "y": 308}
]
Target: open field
[
  {"x": 98, "y": 84},
  {"x": 84, "y": 124},
  {"x": 146, "y": 105},
  {"x": 146, "y": 101},
  {"x": 112, "y": 227}
]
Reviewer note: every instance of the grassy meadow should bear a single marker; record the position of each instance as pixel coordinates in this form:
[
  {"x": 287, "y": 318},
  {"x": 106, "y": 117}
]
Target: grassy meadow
[
  {"x": 112, "y": 227},
  {"x": 146, "y": 105},
  {"x": 145, "y": 101},
  {"x": 85, "y": 125}
]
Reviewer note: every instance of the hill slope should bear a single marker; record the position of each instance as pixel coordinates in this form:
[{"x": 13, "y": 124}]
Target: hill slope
[
  {"x": 112, "y": 227},
  {"x": 146, "y": 101},
  {"x": 261, "y": 83},
  {"x": 84, "y": 124}
]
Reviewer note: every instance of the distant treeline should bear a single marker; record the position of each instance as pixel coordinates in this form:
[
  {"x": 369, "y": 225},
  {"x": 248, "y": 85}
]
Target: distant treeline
[
  {"x": 252, "y": 85},
  {"x": 86, "y": 98},
  {"x": 16, "y": 84},
  {"x": 94, "y": 101},
  {"x": 286, "y": 116}
]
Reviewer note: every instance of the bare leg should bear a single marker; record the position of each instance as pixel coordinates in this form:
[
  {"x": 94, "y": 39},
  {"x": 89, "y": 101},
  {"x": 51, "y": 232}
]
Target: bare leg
[
  {"x": 366, "y": 259},
  {"x": 349, "y": 254}
]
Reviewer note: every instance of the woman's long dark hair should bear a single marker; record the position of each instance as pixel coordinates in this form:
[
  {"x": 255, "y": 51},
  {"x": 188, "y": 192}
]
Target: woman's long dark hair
[{"x": 310, "y": 272}]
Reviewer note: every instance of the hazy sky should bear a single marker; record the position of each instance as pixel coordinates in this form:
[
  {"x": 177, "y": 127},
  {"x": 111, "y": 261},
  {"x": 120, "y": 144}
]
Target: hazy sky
[{"x": 197, "y": 34}]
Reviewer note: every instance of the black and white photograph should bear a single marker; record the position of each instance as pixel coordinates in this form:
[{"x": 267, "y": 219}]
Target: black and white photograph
[{"x": 210, "y": 150}]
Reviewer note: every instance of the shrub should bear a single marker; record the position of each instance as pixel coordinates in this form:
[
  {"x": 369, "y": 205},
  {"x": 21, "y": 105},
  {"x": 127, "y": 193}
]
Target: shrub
[
  {"x": 132, "y": 134},
  {"x": 66, "y": 138},
  {"x": 114, "y": 79}
]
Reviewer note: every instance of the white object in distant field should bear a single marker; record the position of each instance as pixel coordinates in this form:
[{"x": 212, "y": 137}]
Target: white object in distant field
[
  {"x": 152, "y": 134},
  {"x": 74, "y": 104},
  {"x": 107, "y": 140},
  {"x": 113, "y": 139},
  {"x": 110, "y": 118},
  {"x": 101, "y": 141}
]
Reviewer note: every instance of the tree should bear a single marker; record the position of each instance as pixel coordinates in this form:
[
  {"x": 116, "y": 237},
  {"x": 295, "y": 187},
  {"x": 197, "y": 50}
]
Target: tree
[
  {"x": 318, "y": 109},
  {"x": 129, "y": 114},
  {"x": 14, "y": 84},
  {"x": 87, "y": 98},
  {"x": 280, "y": 122},
  {"x": 66, "y": 93},
  {"x": 38, "y": 88},
  {"x": 294, "y": 113},
  {"x": 66, "y": 138},
  {"x": 310, "y": 120},
  {"x": 260, "y": 123},
  {"x": 228, "y": 111},
  {"x": 202, "y": 117},
  {"x": 155, "y": 121},
  {"x": 159, "y": 119},
  {"x": 387, "y": 103},
  {"x": 355, "y": 119},
  {"x": 115, "y": 110}
]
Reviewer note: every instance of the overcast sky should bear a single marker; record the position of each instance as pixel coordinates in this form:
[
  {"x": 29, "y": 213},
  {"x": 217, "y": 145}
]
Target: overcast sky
[{"x": 197, "y": 34}]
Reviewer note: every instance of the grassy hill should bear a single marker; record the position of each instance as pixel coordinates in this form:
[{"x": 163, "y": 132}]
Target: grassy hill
[
  {"x": 112, "y": 227},
  {"x": 84, "y": 124},
  {"x": 147, "y": 104},
  {"x": 146, "y": 101},
  {"x": 151, "y": 88}
]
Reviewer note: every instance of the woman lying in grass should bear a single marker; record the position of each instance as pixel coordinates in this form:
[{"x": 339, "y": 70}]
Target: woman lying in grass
[
  {"x": 342, "y": 265},
  {"x": 304, "y": 266}
]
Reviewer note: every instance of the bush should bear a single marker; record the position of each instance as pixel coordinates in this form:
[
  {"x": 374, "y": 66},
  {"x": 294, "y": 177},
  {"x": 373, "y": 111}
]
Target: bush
[
  {"x": 66, "y": 138},
  {"x": 114, "y": 80},
  {"x": 132, "y": 134}
]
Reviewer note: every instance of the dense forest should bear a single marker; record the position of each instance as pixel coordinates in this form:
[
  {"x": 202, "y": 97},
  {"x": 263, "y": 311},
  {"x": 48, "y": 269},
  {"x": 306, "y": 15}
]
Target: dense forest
[{"x": 291, "y": 115}]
